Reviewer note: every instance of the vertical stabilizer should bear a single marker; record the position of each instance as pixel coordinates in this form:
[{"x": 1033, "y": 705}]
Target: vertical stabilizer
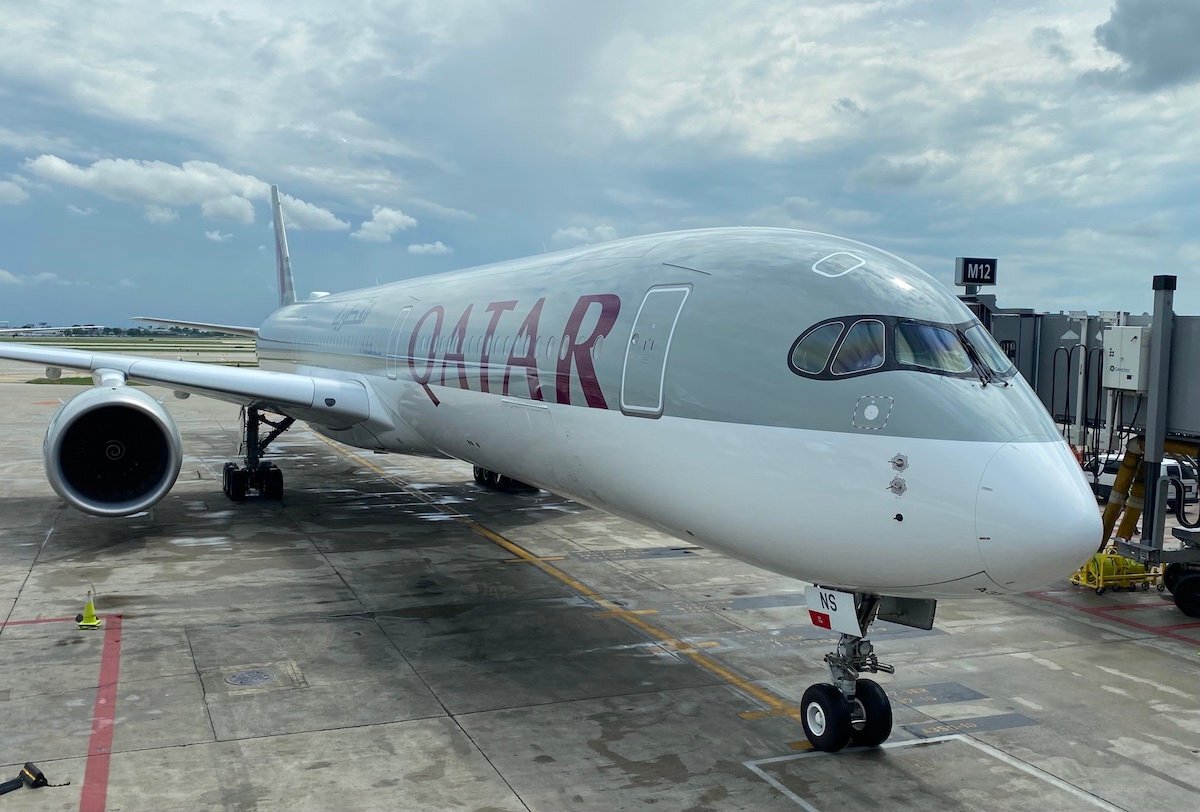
[{"x": 283, "y": 263}]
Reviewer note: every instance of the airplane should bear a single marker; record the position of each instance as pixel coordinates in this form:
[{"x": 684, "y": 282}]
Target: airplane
[
  {"x": 13, "y": 331},
  {"x": 803, "y": 402}
]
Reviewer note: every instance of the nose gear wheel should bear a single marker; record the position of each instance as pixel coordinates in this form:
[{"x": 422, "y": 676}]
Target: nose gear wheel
[{"x": 850, "y": 710}]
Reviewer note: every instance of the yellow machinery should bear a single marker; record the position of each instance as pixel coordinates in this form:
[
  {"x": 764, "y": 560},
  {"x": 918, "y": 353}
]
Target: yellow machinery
[
  {"x": 1111, "y": 571},
  {"x": 1106, "y": 569}
]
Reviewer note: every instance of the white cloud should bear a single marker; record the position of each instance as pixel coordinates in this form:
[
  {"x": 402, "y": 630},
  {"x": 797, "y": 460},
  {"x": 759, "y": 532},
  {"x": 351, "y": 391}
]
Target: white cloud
[
  {"x": 907, "y": 170},
  {"x": 383, "y": 224},
  {"x": 446, "y": 212},
  {"x": 79, "y": 211},
  {"x": 805, "y": 213},
  {"x": 217, "y": 236},
  {"x": 430, "y": 248},
  {"x": 35, "y": 142},
  {"x": 160, "y": 215},
  {"x": 43, "y": 278},
  {"x": 580, "y": 235},
  {"x": 219, "y": 192},
  {"x": 306, "y": 215},
  {"x": 126, "y": 284},
  {"x": 11, "y": 193},
  {"x": 229, "y": 208}
]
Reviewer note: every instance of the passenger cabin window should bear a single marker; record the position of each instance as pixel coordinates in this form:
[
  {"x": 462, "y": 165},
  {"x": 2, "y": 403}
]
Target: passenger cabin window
[
  {"x": 862, "y": 348},
  {"x": 937, "y": 348},
  {"x": 812, "y": 352}
]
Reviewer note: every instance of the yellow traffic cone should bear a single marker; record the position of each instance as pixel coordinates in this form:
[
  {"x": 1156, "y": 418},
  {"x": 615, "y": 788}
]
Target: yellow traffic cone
[{"x": 88, "y": 619}]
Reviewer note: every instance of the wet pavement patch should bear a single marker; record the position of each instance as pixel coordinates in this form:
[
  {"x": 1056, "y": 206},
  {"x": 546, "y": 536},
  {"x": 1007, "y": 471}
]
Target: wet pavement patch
[
  {"x": 977, "y": 724},
  {"x": 934, "y": 694}
]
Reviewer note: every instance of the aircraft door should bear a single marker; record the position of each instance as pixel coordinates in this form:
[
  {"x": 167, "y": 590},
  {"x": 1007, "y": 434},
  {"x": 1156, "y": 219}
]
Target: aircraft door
[
  {"x": 646, "y": 356},
  {"x": 392, "y": 360}
]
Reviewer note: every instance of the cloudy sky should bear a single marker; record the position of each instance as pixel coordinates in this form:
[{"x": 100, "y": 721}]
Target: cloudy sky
[{"x": 138, "y": 140}]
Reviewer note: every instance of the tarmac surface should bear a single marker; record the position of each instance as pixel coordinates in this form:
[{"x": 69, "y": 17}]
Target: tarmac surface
[{"x": 393, "y": 636}]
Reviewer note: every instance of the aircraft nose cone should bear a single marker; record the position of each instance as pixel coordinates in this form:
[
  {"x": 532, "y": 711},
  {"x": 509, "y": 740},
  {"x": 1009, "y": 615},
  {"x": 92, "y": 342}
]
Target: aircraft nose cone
[{"x": 1035, "y": 516}]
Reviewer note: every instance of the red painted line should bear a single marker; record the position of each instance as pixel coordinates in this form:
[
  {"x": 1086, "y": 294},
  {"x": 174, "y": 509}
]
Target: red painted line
[
  {"x": 1100, "y": 612},
  {"x": 1192, "y": 625},
  {"x": 1133, "y": 607},
  {"x": 95, "y": 774},
  {"x": 6, "y": 623}
]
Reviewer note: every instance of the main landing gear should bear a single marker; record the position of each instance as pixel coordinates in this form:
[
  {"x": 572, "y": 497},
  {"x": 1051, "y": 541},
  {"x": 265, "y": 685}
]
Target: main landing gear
[
  {"x": 498, "y": 482},
  {"x": 851, "y": 710},
  {"x": 255, "y": 475}
]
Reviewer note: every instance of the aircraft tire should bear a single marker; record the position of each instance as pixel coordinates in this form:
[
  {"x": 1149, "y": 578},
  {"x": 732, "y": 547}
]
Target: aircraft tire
[
  {"x": 273, "y": 484},
  {"x": 239, "y": 479},
  {"x": 229, "y": 466},
  {"x": 478, "y": 474},
  {"x": 1172, "y": 574},
  {"x": 825, "y": 714},
  {"x": 876, "y": 710},
  {"x": 1187, "y": 595},
  {"x": 504, "y": 483}
]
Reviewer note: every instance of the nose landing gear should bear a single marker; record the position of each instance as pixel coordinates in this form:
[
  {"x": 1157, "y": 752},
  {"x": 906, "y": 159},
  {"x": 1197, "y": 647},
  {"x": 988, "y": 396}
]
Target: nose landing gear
[{"x": 850, "y": 710}]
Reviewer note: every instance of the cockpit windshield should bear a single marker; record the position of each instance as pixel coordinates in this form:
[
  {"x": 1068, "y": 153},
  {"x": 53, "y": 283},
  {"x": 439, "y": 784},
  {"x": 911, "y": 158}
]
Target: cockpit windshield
[
  {"x": 988, "y": 350},
  {"x": 937, "y": 348},
  {"x": 861, "y": 349},
  {"x": 848, "y": 346}
]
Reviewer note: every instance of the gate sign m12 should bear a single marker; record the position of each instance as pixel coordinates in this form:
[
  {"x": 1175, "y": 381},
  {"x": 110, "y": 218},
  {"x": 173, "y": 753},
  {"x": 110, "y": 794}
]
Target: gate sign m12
[{"x": 974, "y": 271}]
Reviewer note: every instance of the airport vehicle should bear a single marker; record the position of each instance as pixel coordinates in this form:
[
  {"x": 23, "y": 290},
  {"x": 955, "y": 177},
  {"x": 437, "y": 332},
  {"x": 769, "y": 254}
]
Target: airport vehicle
[
  {"x": 1102, "y": 472},
  {"x": 803, "y": 402}
]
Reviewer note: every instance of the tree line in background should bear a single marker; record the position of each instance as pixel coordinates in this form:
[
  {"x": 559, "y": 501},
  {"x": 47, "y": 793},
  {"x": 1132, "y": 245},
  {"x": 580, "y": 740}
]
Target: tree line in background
[{"x": 88, "y": 330}]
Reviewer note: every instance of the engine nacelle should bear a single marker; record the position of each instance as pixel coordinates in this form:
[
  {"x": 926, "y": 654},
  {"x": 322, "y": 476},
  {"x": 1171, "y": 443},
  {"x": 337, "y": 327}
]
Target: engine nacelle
[{"x": 112, "y": 451}]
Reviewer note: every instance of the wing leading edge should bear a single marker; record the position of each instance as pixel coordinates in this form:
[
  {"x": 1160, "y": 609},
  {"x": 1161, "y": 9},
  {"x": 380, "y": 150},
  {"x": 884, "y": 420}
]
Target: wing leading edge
[
  {"x": 331, "y": 402},
  {"x": 250, "y": 332}
]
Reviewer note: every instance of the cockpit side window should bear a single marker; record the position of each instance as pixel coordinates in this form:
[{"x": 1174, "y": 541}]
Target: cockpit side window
[
  {"x": 987, "y": 349},
  {"x": 935, "y": 348},
  {"x": 862, "y": 349},
  {"x": 813, "y": 350}
]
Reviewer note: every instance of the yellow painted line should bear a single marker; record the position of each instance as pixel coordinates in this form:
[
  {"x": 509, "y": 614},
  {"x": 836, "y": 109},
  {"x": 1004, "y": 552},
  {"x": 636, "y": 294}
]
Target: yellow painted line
[
  {"x": 775, "y": 705},
  {"x": 624, "y": 612},
  {"x": 800, "y": 745},
  {"x": 539, "y": 558}
]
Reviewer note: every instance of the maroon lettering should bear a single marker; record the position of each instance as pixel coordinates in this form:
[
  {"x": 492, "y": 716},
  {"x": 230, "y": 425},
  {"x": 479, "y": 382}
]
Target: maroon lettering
[
  {"x": 529, "y": 330},
  {"x": 579, "y": 353},
  {"x": 454, "y": 352},
  {"x": 422, "y": 378},
  {"x": 497, "y": 309}
]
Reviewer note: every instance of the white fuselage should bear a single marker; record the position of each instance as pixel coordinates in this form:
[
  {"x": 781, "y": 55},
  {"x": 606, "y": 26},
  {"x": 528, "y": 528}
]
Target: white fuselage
[{"x": 968, "y": 490}]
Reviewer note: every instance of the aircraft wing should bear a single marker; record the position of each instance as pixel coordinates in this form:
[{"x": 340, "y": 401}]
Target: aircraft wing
[
  {"x": 332, "y": 402},
  {"x": 202, "y": 325}
]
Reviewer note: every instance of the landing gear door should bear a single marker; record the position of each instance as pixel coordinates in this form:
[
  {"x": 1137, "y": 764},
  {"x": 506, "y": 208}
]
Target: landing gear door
[
  {"x": 392, "y": 360},
  {"x": 646, "y": 356}
]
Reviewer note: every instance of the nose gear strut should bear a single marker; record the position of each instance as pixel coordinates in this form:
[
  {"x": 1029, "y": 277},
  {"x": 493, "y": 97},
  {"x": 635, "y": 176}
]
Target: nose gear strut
[{"x": 850, "y": 710}]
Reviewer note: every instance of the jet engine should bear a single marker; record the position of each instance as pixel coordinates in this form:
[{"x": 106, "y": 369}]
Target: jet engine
[{"x": 112, "y": 451}]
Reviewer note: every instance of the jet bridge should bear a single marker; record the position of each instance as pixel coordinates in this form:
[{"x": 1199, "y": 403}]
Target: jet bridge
[{"x": 1120, "y": 384}]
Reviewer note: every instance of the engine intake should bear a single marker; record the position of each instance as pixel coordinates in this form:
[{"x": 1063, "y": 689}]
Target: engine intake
[{"x": 112, "y": 451}]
